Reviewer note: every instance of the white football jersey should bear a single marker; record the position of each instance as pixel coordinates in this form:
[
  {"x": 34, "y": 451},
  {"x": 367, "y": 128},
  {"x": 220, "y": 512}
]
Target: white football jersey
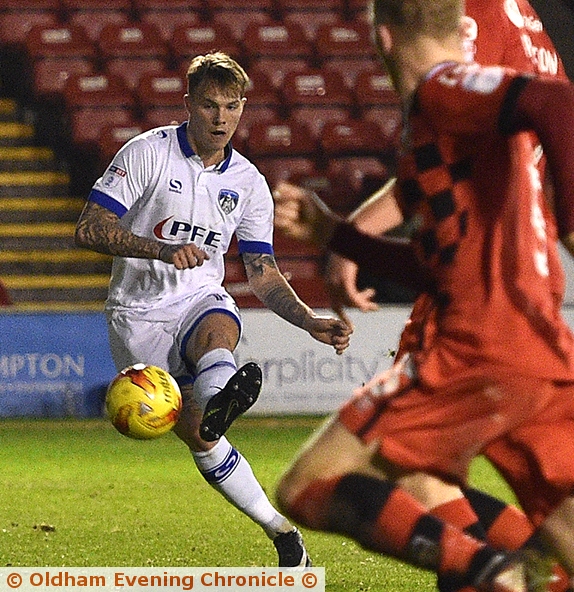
[{"x": 160, "y": 189}]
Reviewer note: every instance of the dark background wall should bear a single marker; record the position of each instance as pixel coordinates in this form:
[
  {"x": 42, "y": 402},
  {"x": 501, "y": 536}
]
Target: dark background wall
[{"x": 558, "y": 18}]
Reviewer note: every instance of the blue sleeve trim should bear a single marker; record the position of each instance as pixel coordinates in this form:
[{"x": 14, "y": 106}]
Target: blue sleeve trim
[
  {"x": 107, "y": 202},
  {"x": 255, "y": 247}
]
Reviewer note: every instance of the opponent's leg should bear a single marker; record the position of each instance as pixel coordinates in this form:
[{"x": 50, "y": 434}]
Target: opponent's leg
[{"x": 334, "y": 486}]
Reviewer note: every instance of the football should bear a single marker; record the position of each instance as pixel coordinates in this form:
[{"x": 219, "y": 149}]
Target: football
[{"x": 143, "y": 402}]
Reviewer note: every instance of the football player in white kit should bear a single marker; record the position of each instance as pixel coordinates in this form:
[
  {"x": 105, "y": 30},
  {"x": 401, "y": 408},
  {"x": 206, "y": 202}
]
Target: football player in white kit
[{"x": 166, "y": 209}]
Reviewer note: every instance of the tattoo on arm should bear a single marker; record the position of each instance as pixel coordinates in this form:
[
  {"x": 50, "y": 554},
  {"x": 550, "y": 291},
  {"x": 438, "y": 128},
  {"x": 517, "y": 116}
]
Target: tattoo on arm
[
  {"x": 271, "y": 287},
  {"x": 98, "y": 229}
]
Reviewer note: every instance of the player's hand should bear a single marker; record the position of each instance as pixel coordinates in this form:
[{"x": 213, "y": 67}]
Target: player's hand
[
  {"x": 183, "y": 256},
  {"x": 329, "y": 330},
  {"x": 301, "y": 215},
  {"x": 341, "y": 285}
]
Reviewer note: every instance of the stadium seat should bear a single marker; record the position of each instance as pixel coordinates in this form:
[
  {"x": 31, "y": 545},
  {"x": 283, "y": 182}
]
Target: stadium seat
[
  {"x": 346, "y": 48},
  {"x": 159, "y": 5},
  {"x": 18, "y": 17},
  {"x": 352, "y": 137},
  {"x": 166, "y": 15},
  {"x": 350, "y": 180},
  {"x": 113, "y": 137},
  {"x": 358, "y": 9},
  {"x": 375, "y": 88},
  {"x": 311, "y": 20},
  {"x": 167, "y": 20},
  {"x": 378, "y": 102},
  {"x": 237, "y": 21},
  {"x": 191, "y": 40},
  {"x": 160, "y": 98},
  {"x": 96, "y": 101},
  {"x": 131, "y": 51},
  {"x": 277, "y": 48},
  {"x": 54, "y": 53},
  {"x": 93, "y": 15},
  {"x": 282, "y": 149},
  {"x": 315, "y": 96},
  {"x": 263, "y": 105},
  {"x": 237, "y": 15},
  {"x": 336, "y": 6}
]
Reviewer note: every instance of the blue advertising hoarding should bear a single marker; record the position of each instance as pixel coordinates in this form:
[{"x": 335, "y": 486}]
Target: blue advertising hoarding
[{"x": 53, "y": 364}]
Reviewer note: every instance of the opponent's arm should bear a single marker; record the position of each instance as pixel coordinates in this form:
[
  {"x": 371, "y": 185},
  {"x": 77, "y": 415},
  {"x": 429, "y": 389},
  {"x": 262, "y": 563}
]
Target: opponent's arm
[
  {"x": 271, "y": 287},
  {"x": 547, "y": 107},
  {"x": 99, "y": 229}
]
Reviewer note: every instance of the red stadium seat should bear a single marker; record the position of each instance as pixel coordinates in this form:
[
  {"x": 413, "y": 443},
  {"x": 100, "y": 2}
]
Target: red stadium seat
[
  {"x": 263, "y": 105},
  {"x": 18, "y": 17},
  {"x": 278, "y": 40},
  {"x": 316, "y": 96},
  {"x": 141, "y": 6},
  {"x": 277, "y": 49},
  {"x": 113, "y": 137},
  {"x": 336, "y": 6},
  {"x": 353, "y": 137},
  {"x": 93, "y": 21},
  {"x": 166, "y": 15},
  {"x": 282, "y": 149},
  {"x": 71, "y": 5},
  {"x": 378, "y": 102},
  {"x": 350, "y": 180},
  {"x": 167, "y": 20},
  {"x": 237, "y": 21},
  {"x": 63, "y": 41},
  {"x": 280, "y": 138},
  {"x": 374, "y": 89},
  {"x": 54, "y": 54},
  {"x": 311, "y": 20},
  {"x": 131, "y": 51},
  {"x": 160, "y": 97},
  {"x": 94, "y": 102},
  {"x": 262, "y": 5},
  {"x": 347, "y": 48},
  {"x": 191, "y": 40},
  {"x": 50, "y": 75}
]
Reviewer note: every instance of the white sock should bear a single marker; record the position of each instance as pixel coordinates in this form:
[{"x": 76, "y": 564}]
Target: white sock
[
  {"x": 214, "y": 369},
  {"x": 228, "y": 472}
]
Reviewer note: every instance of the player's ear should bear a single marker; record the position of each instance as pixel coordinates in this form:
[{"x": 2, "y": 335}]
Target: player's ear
[{"x": 186, "y": 102}]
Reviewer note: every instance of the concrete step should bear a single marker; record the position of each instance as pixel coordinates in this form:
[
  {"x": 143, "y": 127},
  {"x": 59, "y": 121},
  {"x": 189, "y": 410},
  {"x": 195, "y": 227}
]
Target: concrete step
[
  {"x": 40, "y": 209},
  {"x": 57, "y": 262},
  {"x": 57, "y": 288},
  {"x": 13, "y": 133},
  {"x": 32, "y": 183},
  {"x": 55, "y": 306},
  {"x": 26, "y": 158},
  {"x": 37, "y": 236},
  {"x": 8, "y": 110}
]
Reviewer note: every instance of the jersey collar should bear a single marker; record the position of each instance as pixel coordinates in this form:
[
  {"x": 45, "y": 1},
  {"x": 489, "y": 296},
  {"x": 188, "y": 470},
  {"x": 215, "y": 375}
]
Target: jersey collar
[{"x": 188, "y": 150}]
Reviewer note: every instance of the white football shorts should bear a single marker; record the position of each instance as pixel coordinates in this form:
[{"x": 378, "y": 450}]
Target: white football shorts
[{"x": 158, "y": 337}]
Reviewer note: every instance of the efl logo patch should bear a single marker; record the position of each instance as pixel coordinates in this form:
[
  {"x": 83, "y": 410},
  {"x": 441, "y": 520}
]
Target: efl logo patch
[
  {"x": 227, "y": 200},
  {"x": 113, "y": 176}
]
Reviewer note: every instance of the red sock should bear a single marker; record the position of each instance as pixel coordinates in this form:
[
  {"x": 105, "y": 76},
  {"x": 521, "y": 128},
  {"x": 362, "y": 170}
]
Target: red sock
[{"x": 386, "y": 519}]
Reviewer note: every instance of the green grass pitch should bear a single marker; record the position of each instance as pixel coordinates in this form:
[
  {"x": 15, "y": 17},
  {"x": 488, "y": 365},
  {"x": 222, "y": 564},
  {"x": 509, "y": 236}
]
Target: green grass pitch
[{"x": 76, "y": 493}]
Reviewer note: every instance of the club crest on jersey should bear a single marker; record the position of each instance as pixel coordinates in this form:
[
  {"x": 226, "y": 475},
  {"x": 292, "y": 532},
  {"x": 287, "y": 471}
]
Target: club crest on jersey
[
  {"x": 113, "y": 176},
  {"x": 227, "y": 200}
]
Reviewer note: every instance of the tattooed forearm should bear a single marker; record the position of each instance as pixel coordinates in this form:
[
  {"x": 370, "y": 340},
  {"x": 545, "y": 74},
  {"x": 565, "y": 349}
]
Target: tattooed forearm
[
  {"x": 98, "y": 230},
  {"x": 271, "y": 287}
]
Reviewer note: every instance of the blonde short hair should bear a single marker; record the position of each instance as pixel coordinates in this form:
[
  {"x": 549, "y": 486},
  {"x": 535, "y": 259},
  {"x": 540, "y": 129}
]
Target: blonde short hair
[{"x": 219, "y": 69}]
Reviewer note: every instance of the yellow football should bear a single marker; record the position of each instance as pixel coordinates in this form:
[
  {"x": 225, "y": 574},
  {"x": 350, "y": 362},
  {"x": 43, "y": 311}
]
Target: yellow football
[{"x": 143, "y": 402}]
